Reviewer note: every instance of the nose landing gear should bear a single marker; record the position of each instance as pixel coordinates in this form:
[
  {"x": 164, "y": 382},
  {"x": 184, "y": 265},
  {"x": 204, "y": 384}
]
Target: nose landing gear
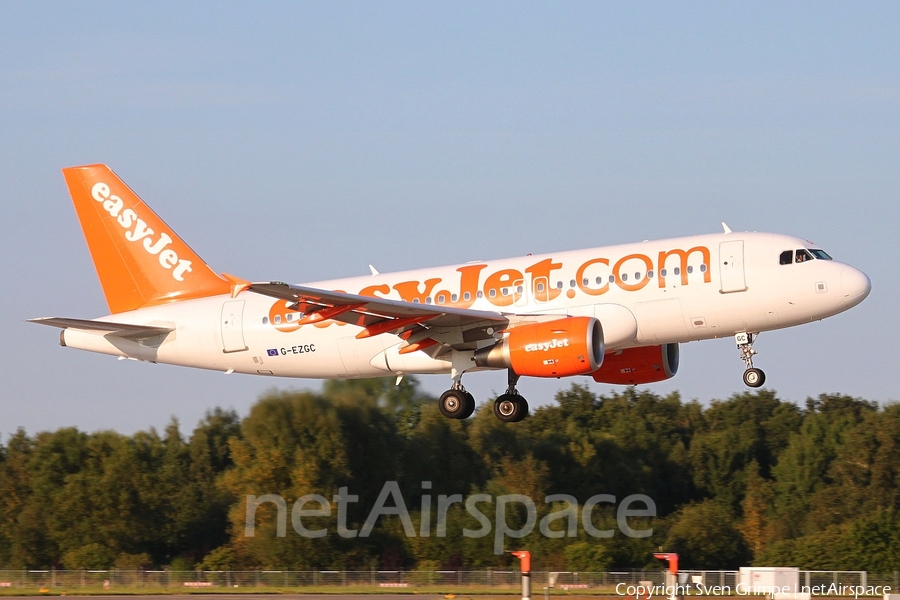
[{"x": 753, "y": 377}]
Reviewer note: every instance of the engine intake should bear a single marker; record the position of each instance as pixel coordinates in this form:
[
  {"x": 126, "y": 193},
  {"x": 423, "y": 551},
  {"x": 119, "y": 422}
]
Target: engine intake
[{"x": 560, "y": 348}]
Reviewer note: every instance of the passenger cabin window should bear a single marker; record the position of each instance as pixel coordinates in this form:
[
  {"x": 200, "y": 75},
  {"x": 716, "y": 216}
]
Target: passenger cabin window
[
  {"x": 803, "y": 256},
  {"x": 787, "y": 257}
]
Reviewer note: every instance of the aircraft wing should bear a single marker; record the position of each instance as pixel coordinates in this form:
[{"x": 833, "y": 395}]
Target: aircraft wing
[
  {"x": 123, "y": 330},
  {"x": 421, "y": 325},
  {"x": 438, "y": 315}
]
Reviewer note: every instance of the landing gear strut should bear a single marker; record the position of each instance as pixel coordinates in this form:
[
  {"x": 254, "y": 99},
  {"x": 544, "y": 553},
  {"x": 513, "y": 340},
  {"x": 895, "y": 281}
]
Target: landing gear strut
[
  {"x": 753, "y": 377},
  {"x": 511, "y": 407},
  {"x": 457, "y": 403}
]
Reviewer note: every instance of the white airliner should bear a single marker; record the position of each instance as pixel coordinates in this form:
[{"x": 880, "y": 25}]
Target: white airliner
[{"x": 616, "y": 314}]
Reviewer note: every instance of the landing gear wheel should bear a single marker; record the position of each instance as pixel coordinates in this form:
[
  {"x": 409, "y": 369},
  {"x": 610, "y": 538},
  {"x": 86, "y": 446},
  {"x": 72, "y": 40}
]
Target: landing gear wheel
[
  {"x": 470, "y": 406},
  {"x": 453, "y": 404},
  {"x": 510, "y": 408},
  {"x": 754, "y": 377},
  {"x": 524, "y": 409}
]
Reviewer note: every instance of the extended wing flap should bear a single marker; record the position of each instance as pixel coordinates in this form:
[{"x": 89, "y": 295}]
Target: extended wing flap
[{"x": 123, "y": 330}]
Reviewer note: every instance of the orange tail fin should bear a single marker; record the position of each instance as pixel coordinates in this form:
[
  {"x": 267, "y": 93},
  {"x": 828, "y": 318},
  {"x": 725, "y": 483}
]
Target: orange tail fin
[{"x": 139, "y": 259}]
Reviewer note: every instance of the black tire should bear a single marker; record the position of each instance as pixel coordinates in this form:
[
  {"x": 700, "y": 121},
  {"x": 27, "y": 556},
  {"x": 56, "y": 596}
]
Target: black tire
[
  {"x": 754, "y": 378},
  {"x": 523, "y": 409},
  {"x": 453, "y": 404},
  {"x": 470, "y": 406},
  {"x": 509, "y": 408}
]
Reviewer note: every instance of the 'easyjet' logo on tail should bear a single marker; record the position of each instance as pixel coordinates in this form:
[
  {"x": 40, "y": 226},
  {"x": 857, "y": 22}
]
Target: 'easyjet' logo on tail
[{"x": 138, "y": 231}]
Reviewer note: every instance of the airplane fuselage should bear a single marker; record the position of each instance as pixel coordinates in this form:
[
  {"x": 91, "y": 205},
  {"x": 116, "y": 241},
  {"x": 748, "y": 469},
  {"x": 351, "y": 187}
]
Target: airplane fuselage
[{"x": 644, "y": 294}]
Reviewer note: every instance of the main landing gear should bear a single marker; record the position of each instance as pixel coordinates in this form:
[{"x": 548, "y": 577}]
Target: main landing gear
[
  {"x": 457, "y": 403},
  {"x": 511, "y": 407},
  {"x": 753, "y": 377}
]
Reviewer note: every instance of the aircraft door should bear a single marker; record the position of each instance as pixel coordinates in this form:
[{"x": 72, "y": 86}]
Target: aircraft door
[
  {"x": 233, "y": 326},
  {"x": 731, "y": 267}
]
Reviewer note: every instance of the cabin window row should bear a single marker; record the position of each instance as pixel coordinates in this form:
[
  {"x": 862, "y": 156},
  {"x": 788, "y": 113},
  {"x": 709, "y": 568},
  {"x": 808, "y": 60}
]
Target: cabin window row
[{"x": 539, "y": 288}]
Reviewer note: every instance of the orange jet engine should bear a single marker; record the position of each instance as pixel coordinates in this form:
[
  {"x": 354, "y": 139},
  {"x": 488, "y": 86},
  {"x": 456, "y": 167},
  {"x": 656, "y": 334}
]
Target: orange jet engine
[
  {"x": 560, "y": 348},
  {"x": 632, "y": 366}
]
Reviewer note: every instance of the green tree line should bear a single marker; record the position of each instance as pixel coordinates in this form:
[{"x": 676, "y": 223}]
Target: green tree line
[{"x": 748, "y": 480}]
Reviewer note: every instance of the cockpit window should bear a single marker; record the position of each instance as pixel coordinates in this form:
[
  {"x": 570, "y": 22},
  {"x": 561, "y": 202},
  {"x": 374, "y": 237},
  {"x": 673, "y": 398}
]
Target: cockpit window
[
  {"x": 786, "y": 258},
  {"x": 821, "y": 254},
  {"x": 803, "y": 255}
]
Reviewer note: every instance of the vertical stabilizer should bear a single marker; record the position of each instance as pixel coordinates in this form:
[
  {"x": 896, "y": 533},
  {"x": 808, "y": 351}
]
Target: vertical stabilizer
[{"x": 139, "y": 259}]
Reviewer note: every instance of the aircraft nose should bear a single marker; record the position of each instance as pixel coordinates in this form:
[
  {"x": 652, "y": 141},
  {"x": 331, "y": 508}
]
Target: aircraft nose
[{"x": 855, "y": 284}]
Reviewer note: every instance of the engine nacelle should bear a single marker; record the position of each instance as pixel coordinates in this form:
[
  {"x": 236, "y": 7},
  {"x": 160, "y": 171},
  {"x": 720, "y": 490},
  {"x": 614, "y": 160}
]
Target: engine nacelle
[
  {"x": 632, "y": 366},
  {"x": 567, "y": 346}
]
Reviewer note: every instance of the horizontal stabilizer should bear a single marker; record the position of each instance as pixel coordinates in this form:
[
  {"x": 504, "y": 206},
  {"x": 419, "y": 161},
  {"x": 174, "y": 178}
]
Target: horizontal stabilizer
[{"x": 122, "y": 330}]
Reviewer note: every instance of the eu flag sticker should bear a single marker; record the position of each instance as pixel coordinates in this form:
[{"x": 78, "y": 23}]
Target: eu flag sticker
[{"x": 272, "y": 352}]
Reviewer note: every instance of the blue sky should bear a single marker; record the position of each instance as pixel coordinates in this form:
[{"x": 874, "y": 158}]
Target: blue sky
[{"x": 303, "y": 141}]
